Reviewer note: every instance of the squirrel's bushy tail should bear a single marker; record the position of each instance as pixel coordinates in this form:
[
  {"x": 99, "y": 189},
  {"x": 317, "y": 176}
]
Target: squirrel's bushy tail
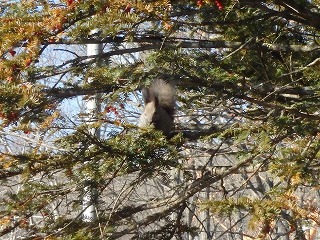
[{"x": 159, "y": 100}]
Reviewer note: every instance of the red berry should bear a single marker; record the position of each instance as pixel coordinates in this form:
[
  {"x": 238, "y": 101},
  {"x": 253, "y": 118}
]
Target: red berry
[
  {"x": 12, "y": 52},
  {"x": 200, "y": 3},
  {"x": 12, "y": 116},
  {"x": 69, "y": 2},
  {"x": 127, "y": 8},
  {"x": 110, "y": 109},
  {"x": 219, "y": 4},
  {"x": 28, "y": 62}
]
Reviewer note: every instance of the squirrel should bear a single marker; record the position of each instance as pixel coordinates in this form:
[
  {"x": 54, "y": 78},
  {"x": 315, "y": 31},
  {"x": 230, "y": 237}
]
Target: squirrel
[{"x": 159, "y": 109}]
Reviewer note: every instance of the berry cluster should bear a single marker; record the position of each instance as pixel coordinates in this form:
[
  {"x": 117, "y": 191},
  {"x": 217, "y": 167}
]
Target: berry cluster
[
  {"x": 218, "y": 3},
  {"x": 9, "y": 117},
  {"x": 12, "y": 52},
  {"x": 113, "y": 110},
  {"x": 70, "y": 2},
  {"x": 200, "y": 3},
  {"x": 115, "y": 115}
]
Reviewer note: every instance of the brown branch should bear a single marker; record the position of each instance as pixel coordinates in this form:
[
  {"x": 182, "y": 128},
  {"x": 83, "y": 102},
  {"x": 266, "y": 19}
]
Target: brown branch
[
  {"x": 293, "y": 111},
  {"x": 63, "y": 93},
  {"x": 304, "y": 13},
  {"x": 169, "y": 204},
  {"x": 153, "y": 42}
]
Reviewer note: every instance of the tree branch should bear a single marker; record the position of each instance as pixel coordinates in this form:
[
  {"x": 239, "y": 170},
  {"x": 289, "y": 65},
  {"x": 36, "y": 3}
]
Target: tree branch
[{"x": 156, "y": 41}]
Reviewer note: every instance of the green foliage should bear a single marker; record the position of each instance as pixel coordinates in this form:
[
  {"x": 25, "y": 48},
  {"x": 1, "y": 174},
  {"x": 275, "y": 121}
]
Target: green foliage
[
  {"x": 247, "y": 119},
  {"x": 148, "y": 152}
]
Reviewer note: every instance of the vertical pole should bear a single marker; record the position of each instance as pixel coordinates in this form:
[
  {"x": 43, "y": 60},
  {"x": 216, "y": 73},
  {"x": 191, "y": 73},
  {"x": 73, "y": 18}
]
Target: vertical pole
[{"x": 92, "y": 104}]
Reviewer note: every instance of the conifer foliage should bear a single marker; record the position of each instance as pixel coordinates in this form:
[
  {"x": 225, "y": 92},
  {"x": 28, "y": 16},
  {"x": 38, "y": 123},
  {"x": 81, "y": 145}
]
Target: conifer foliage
[{"x": 243, "y": 160}]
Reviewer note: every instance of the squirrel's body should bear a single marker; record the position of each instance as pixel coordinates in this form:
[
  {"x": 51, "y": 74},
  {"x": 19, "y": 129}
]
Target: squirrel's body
[{"x": 159, "y": 100}]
